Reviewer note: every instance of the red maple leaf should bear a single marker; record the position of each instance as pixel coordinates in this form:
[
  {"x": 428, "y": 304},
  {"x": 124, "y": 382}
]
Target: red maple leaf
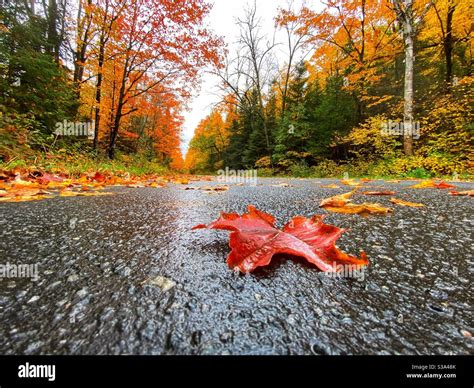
[
  {"x": 255, "y": 240},
  {"x": 98, "y": 177},
  {"x": 444, "y": 185}
]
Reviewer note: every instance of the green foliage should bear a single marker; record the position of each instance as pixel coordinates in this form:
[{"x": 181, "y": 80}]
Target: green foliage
[
  {"x": 30, "y": 79},
  {"x": 312, "y": 119}
]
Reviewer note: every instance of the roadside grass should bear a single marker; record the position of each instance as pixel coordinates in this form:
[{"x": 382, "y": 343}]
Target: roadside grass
[{"x": 78, "y": 165}]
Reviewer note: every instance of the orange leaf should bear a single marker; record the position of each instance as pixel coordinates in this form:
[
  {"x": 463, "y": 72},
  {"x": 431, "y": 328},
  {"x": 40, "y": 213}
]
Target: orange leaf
[
  {"x": 432, "y": 184},
  {"x": 469, "y": 193},
  {"x": 341, "y": 204},
  {"x": 401, "y": 202},
  {"x": 385, "y": 192}
]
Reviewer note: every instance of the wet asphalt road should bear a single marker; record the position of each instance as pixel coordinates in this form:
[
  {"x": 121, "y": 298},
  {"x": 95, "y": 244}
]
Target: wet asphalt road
[{"x": 97, "y": 255}]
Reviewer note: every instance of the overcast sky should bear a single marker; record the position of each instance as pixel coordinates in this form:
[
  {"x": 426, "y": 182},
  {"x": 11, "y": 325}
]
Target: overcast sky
[{"x": 222, "y": 21}]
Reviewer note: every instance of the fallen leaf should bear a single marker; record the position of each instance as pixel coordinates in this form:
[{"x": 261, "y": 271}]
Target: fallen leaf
[
  {"x": 401, "y": 202},
  {"x": 331, "y": 186},
  {"x": 215, "y": 188},
  {"x": 337, "y": 200},
  {"x": 281, "y": 185},
  {"x": 342, "y": 204},
  {"x": 15, "y": 194},
  {"x": 350, "y": 182},
  {"x": 156, "y": 184},
  {"x": 384, "y": 192},
  {"x": 98, "y": 177},
  {"x": 254, "y": 240},
  {"x": 24, "y": 198},
  {"x": 209, "y": 189},
  {"x": 433, "y": 184},
  {"x": 469, "y": 193},
  {"x": 47, "y": 178},
  {"x": 362, "y": 209},
  {"x": 444, "y": 185}
]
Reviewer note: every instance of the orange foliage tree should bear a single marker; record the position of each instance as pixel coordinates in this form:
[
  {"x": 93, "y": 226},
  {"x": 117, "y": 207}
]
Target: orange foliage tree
[{"x": 145, "y": 58}]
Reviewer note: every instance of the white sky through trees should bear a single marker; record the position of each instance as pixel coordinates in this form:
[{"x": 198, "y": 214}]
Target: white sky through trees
[{"x": 222, "y": 21}]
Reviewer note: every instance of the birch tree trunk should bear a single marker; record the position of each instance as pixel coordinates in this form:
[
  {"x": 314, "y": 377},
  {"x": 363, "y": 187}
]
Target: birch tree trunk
[
  {"x": 408, "y": 89},
  {"x": 405, "y": 16}
]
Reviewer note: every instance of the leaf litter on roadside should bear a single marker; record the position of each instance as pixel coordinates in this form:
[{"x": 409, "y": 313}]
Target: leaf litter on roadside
[{"x": 18, "y": 186}]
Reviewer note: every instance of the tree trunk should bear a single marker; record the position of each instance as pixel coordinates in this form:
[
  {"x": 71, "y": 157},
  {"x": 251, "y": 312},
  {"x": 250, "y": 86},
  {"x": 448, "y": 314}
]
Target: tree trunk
[
  {"x": 53, "y": 39},
  {"x": 114, "y": 132},
  {"x": 98, "y": 93},
  {"x": 408, "y": 121},
  {"x": 118, "y": 113},
  {"x": 404, "y": 11},
  {"x": 83, "y": 42},
  {"x": 448, "y": 46}
]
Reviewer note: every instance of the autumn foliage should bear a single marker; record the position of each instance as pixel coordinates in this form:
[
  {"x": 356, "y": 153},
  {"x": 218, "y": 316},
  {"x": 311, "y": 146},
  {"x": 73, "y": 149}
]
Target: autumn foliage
[
  {"x": 339, "y": 80},
  {"x": 129, "y": 66}
]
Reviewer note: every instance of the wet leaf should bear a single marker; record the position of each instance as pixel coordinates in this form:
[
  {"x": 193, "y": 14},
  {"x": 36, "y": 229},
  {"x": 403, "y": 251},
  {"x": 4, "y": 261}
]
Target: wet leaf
[
  {"x": 254, "y": 240},
  {"x": 216, "y": 188},
  {"x": 342, "y": 204},
  {"x": 363, "y": 209},
  {"x": 469, "y": 193},
  {"x": 350, "y": 182},
  {"x": 433, "y": 184},
  {"x": 209, "y": 189},
  {"x": 384, "y": 192},
  {"x": 22, "y": 194},
  {"x": 401, "y": 202}
]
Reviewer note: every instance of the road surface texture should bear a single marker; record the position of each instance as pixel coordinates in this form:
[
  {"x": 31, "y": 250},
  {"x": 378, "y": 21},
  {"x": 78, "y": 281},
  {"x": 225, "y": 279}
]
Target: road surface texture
[{"x": 124, "y": 274}]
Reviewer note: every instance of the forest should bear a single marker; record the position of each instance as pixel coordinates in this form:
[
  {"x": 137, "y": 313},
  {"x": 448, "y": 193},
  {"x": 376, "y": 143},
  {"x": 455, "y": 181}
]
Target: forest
[
  {"x": 124, "y": 67},
  {"x": 366, "y": 87},
  {"x": 345, "y": 107},
  {"x": 226, "y": 178}
]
